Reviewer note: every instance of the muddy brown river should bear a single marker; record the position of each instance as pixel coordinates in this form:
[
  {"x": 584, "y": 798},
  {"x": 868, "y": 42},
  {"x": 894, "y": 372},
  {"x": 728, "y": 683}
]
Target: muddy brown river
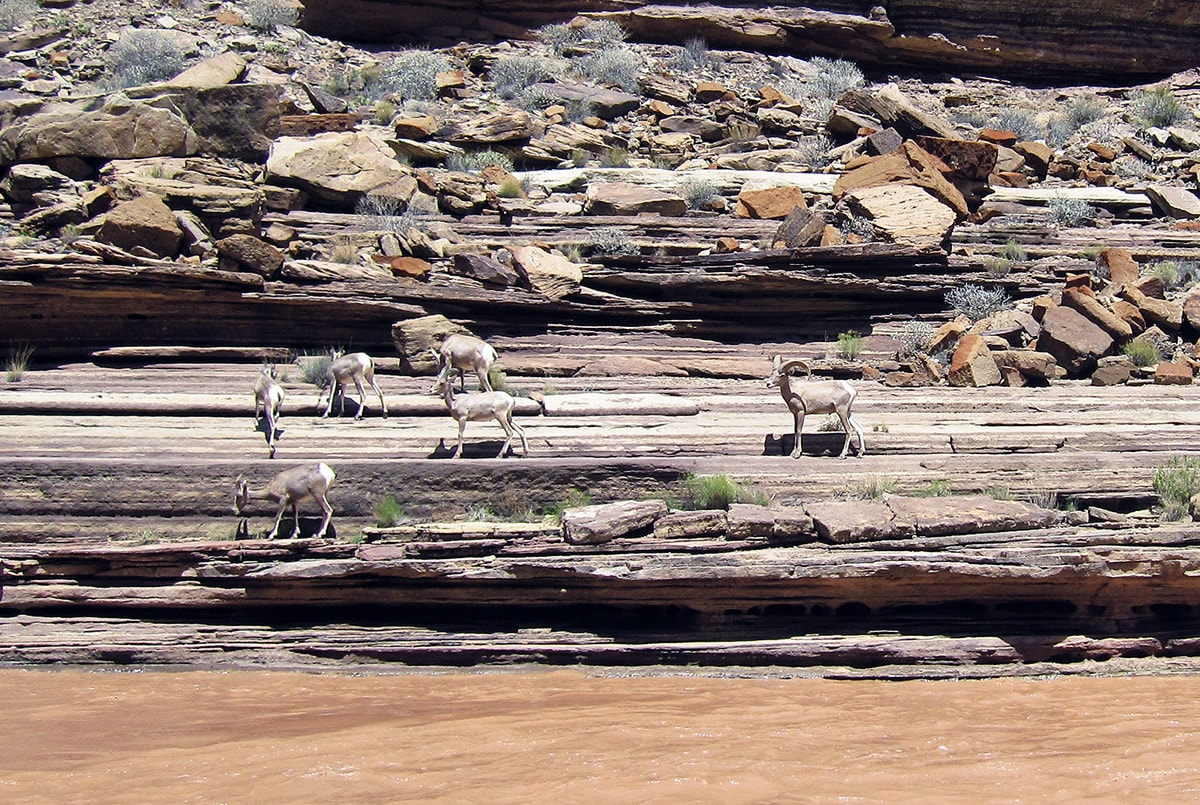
[{"x": 567, "y": 736}]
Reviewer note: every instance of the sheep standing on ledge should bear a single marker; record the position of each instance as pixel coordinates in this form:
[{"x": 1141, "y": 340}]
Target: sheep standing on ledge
[
  {"x": 816, "y": 397},
  {"x": 268, "y": 398},
  {"x": 464, "y": 352},
  {"x": 497, "y": 405},
  {"x": 356, "y": 366},
  {"x": 291, "y": 488}
]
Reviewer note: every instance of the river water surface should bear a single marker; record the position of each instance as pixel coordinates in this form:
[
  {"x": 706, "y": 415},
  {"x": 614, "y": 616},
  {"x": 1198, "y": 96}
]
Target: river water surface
[{"x": 567, "y": 736}]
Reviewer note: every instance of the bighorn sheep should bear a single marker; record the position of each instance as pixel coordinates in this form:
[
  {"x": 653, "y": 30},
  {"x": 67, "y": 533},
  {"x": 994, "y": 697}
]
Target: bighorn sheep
[
  {"x": 356, "y": 366},
  {"x": 496, "y": 405},
  {"x": 291, "y": 488},
  {"x": 816, "y": 397},
  {"x": 268, "y": 397},
  {"x": 464, "y": 352}
]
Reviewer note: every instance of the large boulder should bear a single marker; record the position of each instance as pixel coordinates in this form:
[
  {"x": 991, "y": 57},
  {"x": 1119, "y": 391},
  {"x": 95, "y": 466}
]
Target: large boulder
[
  {"x": 550, "y": 274},
  {"x": 506, "y": 126},
  {"x": 624, "y": 198},
  {"x": 769, "y": 202},
  {"x": 904, "y": 213},
  {"x": 233, "y": 120},
  {"x": 143, "y": 222},
  {"x": 120, "y": 129},
  {"x": 968, "y": 514},
  {"x": 1074, "y": 341},
  {"x": 604, "y": 522},
  {"x": 907, "y": 165},
  {"x": 843, "y": 521},
  {"x": 1097, "y": 313},
  {"x": 972, "y": 363},
  {"x": 1025, "y": 367},
  {"x": 786, "y": 525},
  {"x": 340, "y": 168}
]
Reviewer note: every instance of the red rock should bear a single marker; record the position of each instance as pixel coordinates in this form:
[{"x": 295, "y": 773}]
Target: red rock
[
  {"x": 999, "y": 137},
  {"x": 973, "y": 364},
  {"x": 770, "y": 202},
  {"x": 1120, "y": 264},
  {"x": 1173, "y": 374}
]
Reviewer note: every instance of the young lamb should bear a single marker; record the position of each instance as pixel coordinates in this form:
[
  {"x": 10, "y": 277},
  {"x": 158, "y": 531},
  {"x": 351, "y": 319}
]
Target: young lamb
[
  {"x": 816, "y": 397},
  {"x": 464, "y": 352},
  {"x": 356, "y": 366},
  {"x": 496, "y": 405},
  {"x": 291, "y": 488},
  {"x": 268, "y": 398}
]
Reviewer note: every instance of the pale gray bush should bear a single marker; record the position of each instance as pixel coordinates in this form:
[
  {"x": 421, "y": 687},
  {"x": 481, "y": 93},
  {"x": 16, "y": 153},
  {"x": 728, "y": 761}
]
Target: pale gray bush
[
  {"x": 698, "y": 191},
  {"x": 412, "y": 75},
  {"x": 976, "y": 302},
  {"x": 1070, "y": 211},
  {"x": 691, "y": 57},
  {"x": 603, "y": 33},
  {"x": 558, "y": 37},
  {"x": 512, "y": 75},
  {"x": 1158, "y": 106},
  {"x": 832, "y": 77},
  {"x": 144, "y": 57},
  {"x": 1021, "y": 122},
  {"x": 914, "y": 336},
  {"x": 610, "y": 241},
  {"x": 270, "y": 15},
  {"x": 616, "y": 67},
  {"x": 472, "y": 163}
]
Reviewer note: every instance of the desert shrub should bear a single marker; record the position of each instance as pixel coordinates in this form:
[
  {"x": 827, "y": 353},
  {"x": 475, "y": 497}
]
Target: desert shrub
[
  {"x": 692, "y": 56},
  {"x": 380, "y": 213},
  {"x": 510, "y": 188},
  {"x": 558, "y": 37},
  {"x": 143, "y": 57},
  {"x": 872, "y": 487},
  {"x": 412, "y": 75},
  {"x": 615, "y": 157},
  {"x": 572, "y": 500},
  {"x": 1166, "y": 271},
  {"x": 512, "y": 75},
  {"x": 15, "y": 13},
  {"x": 711, "y": 491},
  {"x": 849, "y": 344},
  {"x": 314, "y": 368},
  {"x": 1141, "y": 351},
  {"x": 914, "y": 336},
  {"x": 498, "y": 378},
  {"x": 999, "y": 493},
  {"x": 388, "y": 512},
  {"x": 814, "y": 150},
  {"x": 1175, "y": 482},
  {"x": 477, "y": 161},
  {"x": 698, "y": 192},
  {"x": 610, "y": 241},
  {"x": 858, "y": 225},
  {"x": 1011, "y": 250},
  {"x": 1084, "y": 109},
  {"x": 615, "y": 67},
  {"x": 603, "y": 33},
  {"x": 1021, "y": 122},
  {"x": 385, "y": 110},
  {"x": 997, "y": 266},
  {"x": 937, "y": 488},
  {"x": 16, "y": 363},
  {"x": 270, "y": 15},
  {"x": 832, "y": 77},
  {"x": 976, "y": 302},
  {"x": 1157, "y": 106},
  {"x": 1070, "y": 211},
  {"x": 342, "y": 249}
]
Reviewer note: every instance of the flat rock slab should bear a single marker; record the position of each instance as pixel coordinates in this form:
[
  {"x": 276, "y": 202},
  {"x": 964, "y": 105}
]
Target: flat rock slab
[{"x": 598, "y": 404}]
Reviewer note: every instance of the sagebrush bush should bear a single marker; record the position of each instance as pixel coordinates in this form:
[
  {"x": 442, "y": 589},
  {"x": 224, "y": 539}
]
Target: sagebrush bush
[
  {"x": 860, "y": 226},
  {"x": 698, "y": 192},
  {"x": 977, "y": 302},
  {"x": 1166, "y": 271},
  {"x": 477, "y": 161},
  {"x": 388, "y": 512},
  {"x": 270, "y": 15},
  {"x": 558, "y": 37},
  {"x": 603, "y": 33},
  {"x": 1157, "y": 106},
  {"x": 512, "y": 75},
  {"x": 1021, "y": 122},
  {"x": 914, "y": 337},
  {"x": 610, "y": 241},
  {"x": 1011, "y": 250},
  {"x": 692, "y": 56},
  {"x": 15, "y": 13},
  {"x": 830, "y": 78},
  {"x": 1070, "y": 211},
  {"x": 1175, "y": 482},
  {"x": 616, "y": 67},
  {"x": 1084, "y": 109},
  {"x": 380, "y": 213},
  {"x": 814, "y": 150},
  {"x": 144, "y": 57},
  {"x": 314, "y": 368},
  {"x": 412, "y": 75}
]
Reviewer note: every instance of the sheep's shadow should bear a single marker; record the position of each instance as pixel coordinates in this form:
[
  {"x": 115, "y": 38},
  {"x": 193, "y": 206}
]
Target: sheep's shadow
[
  {"x": 827, "y": 443},
  {"x": 479, "y": 448},
  {"x": 309, "y": 525}
]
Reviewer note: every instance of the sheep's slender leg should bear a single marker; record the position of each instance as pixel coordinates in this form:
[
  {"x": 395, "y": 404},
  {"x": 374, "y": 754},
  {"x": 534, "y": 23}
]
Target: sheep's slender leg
[
  {"x": 520, "y": 432},
  {"x": 862, "y": 444},
  {"x": 362, "y": 397},
  {"x": 482, "y": 374},
  {"x": 508, "y": 432},
  {"x": 325, "y": 507},
  {"x": 845, "y": 418},
  {"x": 278, "y": 517},
  {"x": 799, "y": 414},
  {"x": 379, "y": 391},
  {"x": 462, "y": 425},
  {"x": 296, "y": 519}
]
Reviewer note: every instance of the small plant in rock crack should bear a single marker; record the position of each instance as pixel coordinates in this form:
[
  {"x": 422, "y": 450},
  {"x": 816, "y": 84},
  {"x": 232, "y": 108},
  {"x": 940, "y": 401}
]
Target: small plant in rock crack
[
  {"x": 17, "y": 362},
  {"x": 388, "y": 512},
  {"x": 1142, "y": 352},
  {"x": 849, "y": 344},
  {"x": 609, "y": 241}
]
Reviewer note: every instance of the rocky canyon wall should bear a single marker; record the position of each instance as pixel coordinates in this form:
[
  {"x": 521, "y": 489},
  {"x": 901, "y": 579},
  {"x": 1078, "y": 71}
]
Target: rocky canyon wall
[{"x": 1079, "y": 40}]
